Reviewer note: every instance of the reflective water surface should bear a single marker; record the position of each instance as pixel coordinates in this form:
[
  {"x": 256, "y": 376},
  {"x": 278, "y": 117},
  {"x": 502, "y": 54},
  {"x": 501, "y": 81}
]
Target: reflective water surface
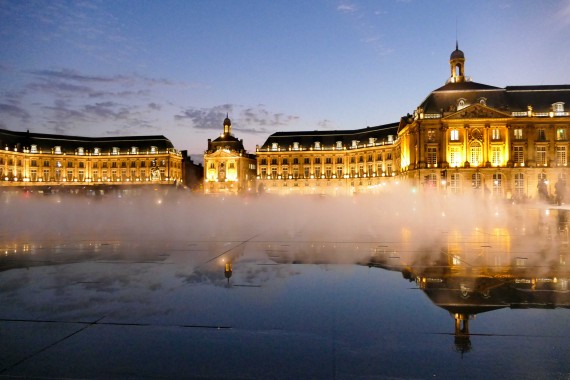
[{"x": 291, "y": 303}]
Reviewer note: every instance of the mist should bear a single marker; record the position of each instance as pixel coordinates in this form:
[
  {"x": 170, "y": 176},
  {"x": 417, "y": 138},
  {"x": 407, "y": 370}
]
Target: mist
[{"x": 397, "y": 223}]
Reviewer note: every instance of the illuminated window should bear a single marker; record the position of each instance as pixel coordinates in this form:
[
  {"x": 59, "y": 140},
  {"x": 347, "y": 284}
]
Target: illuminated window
[
  {"x": 558, "y": 107},
  {"x": 354, "y": 143},
  {"x": 518, "y": 154},
  {"x": 476, "y": 154},
  {"x": 561, "y": 134},
  {"x": 339, "y": 144},
  {"x": 134, "y": 150},
  {"x": 454, "y": 135},
  {"x": 96, "y": 151},
  {"x": 388, "y": 156},
  {"x": 274, "y": 146},
  {"x": 461, "y": 103},
  {"x": 518, "y": 133},
  {"x": 317, "y": 145},
  {"x": 57, "y": 150},
  {"x": 80, "y": 151},
  {"x": 495, "y": 134},
  {"x": 561, "y": 156},
  {"x": 541, "y": 155},
  {"x": 496, "y": 155},
  {"x": 389, "y": 169},
  {"x": 153, "y": 149},
  {"x": 295, "y": 146},
  {"x": 34, "y": 148},
  {"x": 115, "y": 150},
  {"x": 454, "y": 156},
  {"x": 432, "y": 156},
  {"x": 431, "y": 135},
  {"x": 339, "y": 172}
]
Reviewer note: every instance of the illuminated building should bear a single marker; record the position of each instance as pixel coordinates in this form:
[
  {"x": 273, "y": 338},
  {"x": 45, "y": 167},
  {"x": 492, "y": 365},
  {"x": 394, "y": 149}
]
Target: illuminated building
[
  {"x": 42, "y": 161},
  {"x": 228, "y": 168},
  {"x": 468, "y": 136},
  {"x": 328, "y": 162}
]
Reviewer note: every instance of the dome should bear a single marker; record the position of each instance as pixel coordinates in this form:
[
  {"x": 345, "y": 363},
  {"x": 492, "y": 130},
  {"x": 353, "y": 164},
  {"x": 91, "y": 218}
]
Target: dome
[
  {"x": 227, "y": 121},
  {"x": 457, "y": 54}
]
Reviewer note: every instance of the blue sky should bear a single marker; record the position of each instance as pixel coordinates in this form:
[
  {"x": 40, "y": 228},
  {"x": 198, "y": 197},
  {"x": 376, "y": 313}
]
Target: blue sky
[{"x": 175, "y": 68}]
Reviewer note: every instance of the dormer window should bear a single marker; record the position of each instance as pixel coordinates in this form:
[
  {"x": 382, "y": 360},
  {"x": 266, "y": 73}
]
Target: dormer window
[
  {"x": 461, "y": 103},
  {"x": 80, "y": 151},
  {"x": 96, "y": 151},
  {"x": 371, "y": 140},
  {"x": 354, "y": 144},
  {"x": 57, "y": 150},
  {"x": 115, "y": 150},
  {"x": 483, "y": 101},
  {"x": 134, "y": 150},
  {"x": 274, "y": 146},
  {"x": 317, "y": 145},
  {"x": 339, "y": 144},
  {"x": 153, "y": 149},
  {"x": 558, "y": 107},
  {"x": 295, "y": 146}
]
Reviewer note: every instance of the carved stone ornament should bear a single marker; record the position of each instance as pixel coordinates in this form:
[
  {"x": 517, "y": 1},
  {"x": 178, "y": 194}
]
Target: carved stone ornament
[
  {"x": 475, "y": 135},
  {"x": 477, "y": 111}
]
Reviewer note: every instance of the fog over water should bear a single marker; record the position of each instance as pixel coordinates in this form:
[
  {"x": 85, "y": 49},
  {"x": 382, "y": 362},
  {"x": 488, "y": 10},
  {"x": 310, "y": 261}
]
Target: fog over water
[{"x": 412, "y": 224}]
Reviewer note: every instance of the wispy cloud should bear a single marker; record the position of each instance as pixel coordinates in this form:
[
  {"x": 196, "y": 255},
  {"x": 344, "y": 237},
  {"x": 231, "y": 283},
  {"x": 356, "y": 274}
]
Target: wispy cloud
[
  {"x": 14, "y": 111},
  {"x": 347, "y": 8},
  {"x": 563, "y": 13},
  {"x": 254, "y": 119}
]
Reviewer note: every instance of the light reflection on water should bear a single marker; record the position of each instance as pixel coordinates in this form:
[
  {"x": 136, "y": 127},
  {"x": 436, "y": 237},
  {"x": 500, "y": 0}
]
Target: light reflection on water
[{"x": 291, "y": 308}]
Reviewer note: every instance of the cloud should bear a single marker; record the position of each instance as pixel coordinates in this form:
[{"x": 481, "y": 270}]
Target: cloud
[
  {"x": 14, "y": 111},
  {"x": 155, "y": 107},
  {"x": 347, "y": 8},
  {"x": 253, "y": 120},
  {"x": 563, "y": 14}
]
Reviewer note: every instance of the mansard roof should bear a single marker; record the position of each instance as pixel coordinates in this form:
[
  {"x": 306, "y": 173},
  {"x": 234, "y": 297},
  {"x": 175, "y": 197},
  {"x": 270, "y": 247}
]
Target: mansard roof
[
  {"x": 509, "y": 99},
  {"x": 69, "y": 144},
  {"x": 330, "y": 138}
]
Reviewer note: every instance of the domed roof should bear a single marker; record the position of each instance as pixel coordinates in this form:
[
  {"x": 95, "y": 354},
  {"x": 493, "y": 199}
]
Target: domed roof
[
  {"x": 227, "y": 121},
  {"x": 457, "y": 54}
]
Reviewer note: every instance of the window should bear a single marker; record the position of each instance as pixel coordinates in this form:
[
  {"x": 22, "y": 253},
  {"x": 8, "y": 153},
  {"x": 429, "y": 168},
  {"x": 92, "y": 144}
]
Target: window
[
  {"x": 295, "y": 146},
  {"x": 318, "y": 160},
  {"x": 306, "y": 161},
  {"x": 339, "y": 144},
  {"x": 561, "y": 155},
  {"x": 96, "y": 151},
  {"x": 285, "y": 161},
  {"x": 354, "y": 144},
  {"x": 454, "y": 135},
  {"x": 69, "y": 164},
  {"x": 34, "y": 163},
  {"x": 561, "y": 134},
  {"x": 541, "y": 134},
  {"x": 328, "y": 160},
  {"x": 518, "y": 154},
  {"x": 123, "y": 164},
  {"x": 431, "y": 180},
  {"x": 328, "y": 172},
  {"x": 134, "y": 150},
  {"x": 57, "y": 150},
  {"x": 432, "y": 156},
  {"x": 339, "y": 172},
  {"x": 46, "y": 175},
  {"x": 264, "y": 161},
  {"x": 495, "y": 134},
  {"x": 307, "y": 173},
  {"x": 82, "y": 165},
  {"x": 496, "y": 156},
  {"x": 476, "y": 180},
  {"x": 558, "y": 107},
  {"x": 455, "y": 183},
  {"x": 454, "y": 156},
  {"x": 431, "y": 135},
  {"x": 232, "y": 165},
  {"x": 273, "y": 161},
  {"x": 46, "y": 163},
  {"x": 263, "y": 172},
  {"x": 317, "y": 172},
  {"x": 80, "y": 151},
  {"x": 133, "y": 164},
  {"x": 317, "y": 145},
  {"x": 153, "y": 149},
  {"x": 388, "y": 156},
  {"x": 518, "y": 134},
  {"x": 115, "y": 150},
  {"x": 273, "y": 173},
  {"x": 497, "y": 184},
  {"x": 476, "y": 152},
  {"x": 541, "y": 155},
  {"x": 461, "y": 103},
  {"x": 519, "y": 185},
  {"x": 339, "y": 160},
  {"x": 34, "y": 148}
]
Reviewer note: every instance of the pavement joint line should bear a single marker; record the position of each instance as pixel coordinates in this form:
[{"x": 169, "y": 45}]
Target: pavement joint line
[{"x": 26, "y": 358}]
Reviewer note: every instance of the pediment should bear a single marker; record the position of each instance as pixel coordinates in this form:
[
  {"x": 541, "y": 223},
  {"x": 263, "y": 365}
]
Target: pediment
[
  {"x": 477, "y": 111},
  {"x": 222, "y": 153}
]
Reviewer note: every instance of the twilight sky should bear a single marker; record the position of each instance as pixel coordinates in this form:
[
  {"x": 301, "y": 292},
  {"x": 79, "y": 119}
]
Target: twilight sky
[{"x": 175, "y": 68}]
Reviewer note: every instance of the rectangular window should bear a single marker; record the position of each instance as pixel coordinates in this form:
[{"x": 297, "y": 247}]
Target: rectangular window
[
  {"x": 541, "y": 155},
  {"x": 495, "y": 134},
  {"x": 317, "y": 172},
  {"x": 561, "y": 134},
  {"x": 476, "y": 180},
  {"x": 306, "y": 173},
  {"x": 496, "y": 155},
  {"x": 497, "y": 184},
  {"x": 46, "y": 175},
  {"x": 432, "y": 156},
  {"x": 454, "y": 156},
  {"x": 541, "y": 134},
  {"x": 455, "y": 183},
  {"x": 33, "y": 175},
  {"x": 518, "y": 154},
  {"x": 81, "y": 175},
  {"x": 561, "y": 155},
  {"x": 519, "y": 185},
  {"x": 339, "y": 172},
  {"x": 518, "y": 134},
  {"x": 431, "y": 135},
  {"x": 454, "y": 135}
]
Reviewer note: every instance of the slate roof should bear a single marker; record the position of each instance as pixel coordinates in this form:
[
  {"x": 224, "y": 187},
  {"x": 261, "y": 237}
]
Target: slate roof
[
  {"x": 68, "y": 144},
  {"x": 329, "y": 138},
  {"x": 509, "y": 99}
]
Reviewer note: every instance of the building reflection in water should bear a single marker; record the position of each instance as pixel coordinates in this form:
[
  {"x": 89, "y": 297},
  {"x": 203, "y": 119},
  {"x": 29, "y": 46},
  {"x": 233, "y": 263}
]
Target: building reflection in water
[{"x": 467, "y": 281}]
